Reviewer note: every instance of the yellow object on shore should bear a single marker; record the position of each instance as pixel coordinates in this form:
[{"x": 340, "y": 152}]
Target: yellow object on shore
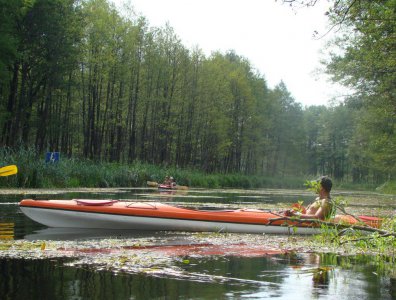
[{"x": 8, "y": 170}]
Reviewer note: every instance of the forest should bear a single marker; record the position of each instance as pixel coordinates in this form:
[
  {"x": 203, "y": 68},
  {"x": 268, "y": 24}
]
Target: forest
[{"x": 81, "y": 78}]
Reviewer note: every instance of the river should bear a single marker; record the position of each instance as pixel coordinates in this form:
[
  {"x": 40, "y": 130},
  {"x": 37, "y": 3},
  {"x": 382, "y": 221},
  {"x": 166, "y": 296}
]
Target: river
[{"x": 37, "y": 262}]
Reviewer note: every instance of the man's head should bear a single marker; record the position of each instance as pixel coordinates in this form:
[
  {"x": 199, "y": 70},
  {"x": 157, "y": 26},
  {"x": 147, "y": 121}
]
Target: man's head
[{"x": 325, "y": 183}]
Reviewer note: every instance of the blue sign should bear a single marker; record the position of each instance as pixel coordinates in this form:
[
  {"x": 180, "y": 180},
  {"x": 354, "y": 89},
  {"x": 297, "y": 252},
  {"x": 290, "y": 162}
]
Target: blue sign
[{"x": 52, "y": 157}]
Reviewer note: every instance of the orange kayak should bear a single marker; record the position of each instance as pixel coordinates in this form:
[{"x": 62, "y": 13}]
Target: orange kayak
[{"x": 114, "y": 214}]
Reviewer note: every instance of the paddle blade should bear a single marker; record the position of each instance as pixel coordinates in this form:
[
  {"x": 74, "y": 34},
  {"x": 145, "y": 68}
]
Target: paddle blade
[
  {"x": 8, "y": 170},
  {"x": 152, "y": 183},
  {"x": 182, "y": 187}
]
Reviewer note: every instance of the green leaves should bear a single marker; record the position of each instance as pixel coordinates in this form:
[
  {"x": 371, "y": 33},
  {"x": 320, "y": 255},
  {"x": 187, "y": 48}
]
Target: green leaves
[
  {"x": 313, "y": 186},
  {"x": 368, "y": 65}
]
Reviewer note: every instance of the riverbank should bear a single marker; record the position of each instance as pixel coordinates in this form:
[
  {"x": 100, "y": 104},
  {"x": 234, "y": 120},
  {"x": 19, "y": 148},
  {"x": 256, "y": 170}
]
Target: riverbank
[{"x": 73, "y": 173}]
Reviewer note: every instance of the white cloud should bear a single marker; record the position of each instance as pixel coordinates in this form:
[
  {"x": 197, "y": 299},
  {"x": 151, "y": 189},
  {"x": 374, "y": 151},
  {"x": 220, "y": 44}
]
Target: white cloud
[{"x": 276, "y": 39}]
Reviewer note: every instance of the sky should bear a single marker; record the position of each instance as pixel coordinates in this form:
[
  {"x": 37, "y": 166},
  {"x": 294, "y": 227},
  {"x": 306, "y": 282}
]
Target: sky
[{"x": 277, "y": 40}]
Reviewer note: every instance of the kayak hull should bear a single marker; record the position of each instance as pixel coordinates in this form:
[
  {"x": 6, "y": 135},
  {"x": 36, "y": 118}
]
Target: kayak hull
[
  {"x": 156, "y": 216},
  {"x": 59, "y": 218}
]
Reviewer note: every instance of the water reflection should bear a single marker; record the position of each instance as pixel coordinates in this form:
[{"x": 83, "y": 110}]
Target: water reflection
[{"x": 201, "y": 278}]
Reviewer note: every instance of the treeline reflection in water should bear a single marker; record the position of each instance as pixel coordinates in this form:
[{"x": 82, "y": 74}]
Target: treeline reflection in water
[{"x": 286, "y": 276}]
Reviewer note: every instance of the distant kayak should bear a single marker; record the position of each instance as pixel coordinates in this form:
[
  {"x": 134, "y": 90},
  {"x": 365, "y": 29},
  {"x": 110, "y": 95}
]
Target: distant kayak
[
  {"x": 167, "y": 187},
  {"x": 163, "y": 187},
  {"x": 114, "y": 214}
]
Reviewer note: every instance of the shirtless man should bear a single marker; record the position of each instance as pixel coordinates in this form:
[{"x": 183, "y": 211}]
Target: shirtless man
[{"x": 321, "y": 207}]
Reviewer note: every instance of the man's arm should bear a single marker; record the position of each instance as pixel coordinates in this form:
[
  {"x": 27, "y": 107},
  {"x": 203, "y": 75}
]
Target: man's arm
[{"x": 319, "y": 214}]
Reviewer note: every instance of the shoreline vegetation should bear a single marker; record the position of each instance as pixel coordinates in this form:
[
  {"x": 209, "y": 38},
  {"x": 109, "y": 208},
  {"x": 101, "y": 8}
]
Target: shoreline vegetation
[
  {"x": 34, "y": 172},
  {"x": 71, "y": 173}
]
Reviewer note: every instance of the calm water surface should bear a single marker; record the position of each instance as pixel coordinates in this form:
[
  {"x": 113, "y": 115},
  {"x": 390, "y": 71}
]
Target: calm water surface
[{"x": 207, "y": 272}]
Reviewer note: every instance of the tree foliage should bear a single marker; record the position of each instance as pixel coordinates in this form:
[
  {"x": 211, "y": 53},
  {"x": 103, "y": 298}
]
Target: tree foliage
[
  {"x": 364, "y": 59},
  {"x": 367, "y": 63}
]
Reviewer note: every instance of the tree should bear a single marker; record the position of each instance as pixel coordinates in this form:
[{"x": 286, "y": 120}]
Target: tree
[
  {"x": 367, "y": 62},
  {"x": 39, "y": 66},
  {"x": 286, "y": 134}
]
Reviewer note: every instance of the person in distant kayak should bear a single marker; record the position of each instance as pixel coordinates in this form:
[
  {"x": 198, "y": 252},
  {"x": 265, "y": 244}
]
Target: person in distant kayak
[
  {"x": 322, "y": 207},
  {"x": 170, "y": 181},
  {"x": 167, "y": 181}
]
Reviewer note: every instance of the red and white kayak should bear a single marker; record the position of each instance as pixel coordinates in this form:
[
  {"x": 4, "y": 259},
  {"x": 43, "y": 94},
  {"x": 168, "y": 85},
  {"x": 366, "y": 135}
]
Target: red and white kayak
[
  {"x": 114, "y": 214},
  {"x": 167, "y": 187}
]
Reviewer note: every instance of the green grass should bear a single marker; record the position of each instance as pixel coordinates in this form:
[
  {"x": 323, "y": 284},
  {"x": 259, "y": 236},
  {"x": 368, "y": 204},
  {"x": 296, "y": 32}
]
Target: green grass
[
  {"x": 388, "y": 187},
  {"x": 33, "y": 172}
]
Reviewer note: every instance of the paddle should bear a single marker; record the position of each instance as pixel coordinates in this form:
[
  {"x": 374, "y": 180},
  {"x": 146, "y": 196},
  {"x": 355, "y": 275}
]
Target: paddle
[
  {"x": 182, "y": 187},
  {"x": 152, "y": 183},
  {"x": 8, "y": 170}
]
